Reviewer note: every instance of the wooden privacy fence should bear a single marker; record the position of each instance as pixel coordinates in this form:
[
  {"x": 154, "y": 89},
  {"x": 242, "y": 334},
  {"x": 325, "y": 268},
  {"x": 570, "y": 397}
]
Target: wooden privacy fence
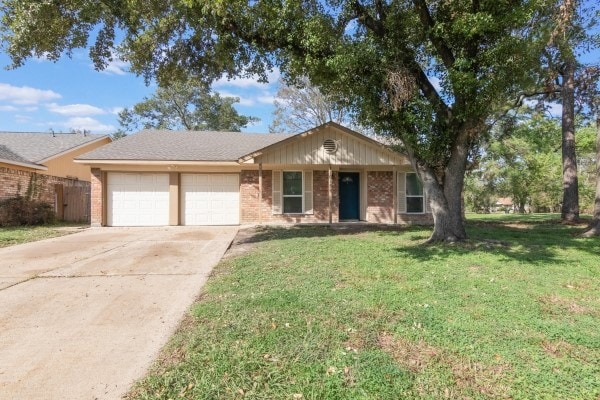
[{"x": 72, "y": 203}]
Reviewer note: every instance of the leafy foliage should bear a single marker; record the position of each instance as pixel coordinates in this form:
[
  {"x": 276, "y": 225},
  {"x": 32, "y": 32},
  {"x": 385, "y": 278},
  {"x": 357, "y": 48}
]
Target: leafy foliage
[
  {"x": 523, "y": 162},
  {"x": 18, "y": 211},
  {"x": 184, "y": 106}
]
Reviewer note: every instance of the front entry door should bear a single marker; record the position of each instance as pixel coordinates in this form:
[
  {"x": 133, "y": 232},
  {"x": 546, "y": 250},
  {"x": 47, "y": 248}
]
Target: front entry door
[{"x": 349, "y": 195}]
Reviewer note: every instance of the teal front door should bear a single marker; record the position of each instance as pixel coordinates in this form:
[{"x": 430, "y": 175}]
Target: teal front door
[{"x": 349, "y": 195}]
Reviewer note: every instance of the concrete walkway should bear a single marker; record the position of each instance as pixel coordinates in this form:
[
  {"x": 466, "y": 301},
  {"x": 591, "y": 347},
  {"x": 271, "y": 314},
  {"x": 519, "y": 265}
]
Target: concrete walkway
[{"x": 83, "y": 316}]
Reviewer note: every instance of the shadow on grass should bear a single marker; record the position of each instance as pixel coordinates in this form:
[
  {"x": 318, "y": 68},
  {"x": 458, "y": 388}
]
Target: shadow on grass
[
  {"x": 266, "y": 233},
  {"x": 534, "y": 242}
]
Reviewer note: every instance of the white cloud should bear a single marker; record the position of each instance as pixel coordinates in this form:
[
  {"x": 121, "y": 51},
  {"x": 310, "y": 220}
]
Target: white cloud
[
  {"x": 266, "y": 99},
  {"x": 250, "y": 82},
  {"x": 116, "y": 67},
  {"x": 8, "y": 108},
  {"x": 22, "y": 118},
  {"x": 75, "y": 110},
  {"x": 87, "y": 123},
  {"x": 243, "y": 101},
  {"x": 25, "y": 94},
  {"x": 554, "y": 109},
  {"x": 116, "y": 110}
]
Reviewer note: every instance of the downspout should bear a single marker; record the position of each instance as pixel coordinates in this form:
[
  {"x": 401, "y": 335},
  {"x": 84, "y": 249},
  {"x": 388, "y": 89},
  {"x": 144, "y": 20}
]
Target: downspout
[{"x": 260, "y": 189}]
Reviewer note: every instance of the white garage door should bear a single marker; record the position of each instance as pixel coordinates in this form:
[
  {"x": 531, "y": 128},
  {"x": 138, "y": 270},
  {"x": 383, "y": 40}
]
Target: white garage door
[
  {"x": 137, "y": 199},
  {"x": 210, "y": 199}
]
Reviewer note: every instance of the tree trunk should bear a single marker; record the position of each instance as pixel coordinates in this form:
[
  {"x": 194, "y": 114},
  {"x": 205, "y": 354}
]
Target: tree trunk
[
  {"x": 594, "y": 227},
  {"x": 570, "y": 206},
  {"x": 445, "y": 199}
]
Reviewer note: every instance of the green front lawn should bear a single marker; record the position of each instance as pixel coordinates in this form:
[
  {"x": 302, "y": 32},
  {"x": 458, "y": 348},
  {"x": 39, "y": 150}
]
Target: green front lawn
[
  {"x": 12, "y": 235},
  {"x": 317, "y": 313}
]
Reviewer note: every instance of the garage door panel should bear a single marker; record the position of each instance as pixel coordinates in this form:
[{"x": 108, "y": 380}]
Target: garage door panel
[
  {"x": 138, "y": 199},
  {"x": 210, "y": 199}
]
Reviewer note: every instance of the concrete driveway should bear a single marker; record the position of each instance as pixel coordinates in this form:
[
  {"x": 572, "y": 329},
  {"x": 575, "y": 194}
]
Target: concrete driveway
[{"x": 83, "y": 316}]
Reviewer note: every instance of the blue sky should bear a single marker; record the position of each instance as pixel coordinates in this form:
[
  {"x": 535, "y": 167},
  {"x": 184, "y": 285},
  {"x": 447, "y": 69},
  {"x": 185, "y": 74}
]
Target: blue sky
[{"x": 43, "y": 95}]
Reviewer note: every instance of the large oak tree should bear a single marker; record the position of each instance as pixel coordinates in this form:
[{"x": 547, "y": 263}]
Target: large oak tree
[{"x": 434, "y": 74}]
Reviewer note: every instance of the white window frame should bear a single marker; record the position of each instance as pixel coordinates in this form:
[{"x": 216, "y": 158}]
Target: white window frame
[
  {"x": 283, "y": 195},
  {"x": 422, "y": 195}
]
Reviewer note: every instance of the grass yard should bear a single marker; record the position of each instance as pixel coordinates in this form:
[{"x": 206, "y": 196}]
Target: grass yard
[
  {"x": 10, "y": 236},
  {"x": 318, "y": 313}
]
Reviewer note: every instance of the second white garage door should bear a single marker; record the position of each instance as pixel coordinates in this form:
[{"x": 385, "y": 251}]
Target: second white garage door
[{"x": 210, "y": 199}]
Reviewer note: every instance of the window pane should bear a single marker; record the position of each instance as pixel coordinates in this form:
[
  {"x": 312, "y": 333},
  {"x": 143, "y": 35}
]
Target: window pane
[
  {"x": 292, "y": 205},
  {"x": 413, "y": 185},
  {"x": 414, "y": 204},
  {"x": 292, "y": 183}
]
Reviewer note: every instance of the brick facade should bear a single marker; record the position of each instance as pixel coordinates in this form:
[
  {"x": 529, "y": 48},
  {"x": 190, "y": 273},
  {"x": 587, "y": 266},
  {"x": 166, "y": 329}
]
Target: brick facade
[
  {"x": 249, "y": 187},
  {"x": 97, "y": 197},
  {"x": 380, "y": 197},
  {"x": 379, "y": 207},
  {"x": 34, "y": 186}
]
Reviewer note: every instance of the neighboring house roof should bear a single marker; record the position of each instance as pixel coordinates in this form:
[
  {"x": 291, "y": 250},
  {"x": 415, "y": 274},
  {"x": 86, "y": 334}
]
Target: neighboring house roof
[
  {"x": 504, "y": 201},
  {"x": 166, "y": 145},
  {"x": 9, "y": 157},
  {"x": 35, "y": 148}
]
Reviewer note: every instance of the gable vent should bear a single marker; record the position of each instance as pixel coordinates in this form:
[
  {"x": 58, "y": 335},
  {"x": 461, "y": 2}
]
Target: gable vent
[{"x": 330, "y": 146}]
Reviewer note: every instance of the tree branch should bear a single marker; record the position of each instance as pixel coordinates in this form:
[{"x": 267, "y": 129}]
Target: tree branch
[
  {"x": 442, "y": 48},
  {"x": 367, "y": 19}
]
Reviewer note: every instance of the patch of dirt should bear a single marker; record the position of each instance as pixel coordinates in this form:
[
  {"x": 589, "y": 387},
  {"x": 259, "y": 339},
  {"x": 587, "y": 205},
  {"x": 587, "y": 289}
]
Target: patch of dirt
[
  {"x": 480, "y": 378},
  {"x": 469, "y": 376},
  {"x": 557, "y": 349},
  {"x": 414, "y": 356},
  {"x": 555, "y": 304}
]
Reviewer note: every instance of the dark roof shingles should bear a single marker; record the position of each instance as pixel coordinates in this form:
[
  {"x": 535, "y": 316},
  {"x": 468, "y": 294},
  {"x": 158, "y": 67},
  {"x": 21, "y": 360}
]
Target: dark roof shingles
[{"x": 165, "y": 145}]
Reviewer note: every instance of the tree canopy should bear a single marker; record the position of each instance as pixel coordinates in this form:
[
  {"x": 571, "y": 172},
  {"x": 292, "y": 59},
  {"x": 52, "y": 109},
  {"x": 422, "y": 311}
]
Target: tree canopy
[
  {"x": 433, "y": 73},
  {"x": 184, "y": 106}
]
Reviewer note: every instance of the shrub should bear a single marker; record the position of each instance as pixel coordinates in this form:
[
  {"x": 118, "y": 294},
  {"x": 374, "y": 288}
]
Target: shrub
[{"x": 21, "y": 211}]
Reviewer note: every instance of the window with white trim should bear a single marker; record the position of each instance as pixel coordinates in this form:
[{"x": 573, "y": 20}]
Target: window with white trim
[
  {"x": 415, "y": 200},
  {"x": 292, "y": 192}
]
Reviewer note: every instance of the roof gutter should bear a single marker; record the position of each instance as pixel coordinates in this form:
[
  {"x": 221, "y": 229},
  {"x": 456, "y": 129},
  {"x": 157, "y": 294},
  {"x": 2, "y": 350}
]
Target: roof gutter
[
  {"x": 155, "y": 162},
  {"x": 22, "y": 164},
  {"x": 75, "y": 148}
]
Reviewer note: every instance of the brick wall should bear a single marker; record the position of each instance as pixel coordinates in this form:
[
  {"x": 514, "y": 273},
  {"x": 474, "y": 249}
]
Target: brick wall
[
  {"x": 380, "y": 197},
  {"x": 96, "y": 197},
  {"x": 249, "y": 188},
  {"x": 15, "y": 182}
]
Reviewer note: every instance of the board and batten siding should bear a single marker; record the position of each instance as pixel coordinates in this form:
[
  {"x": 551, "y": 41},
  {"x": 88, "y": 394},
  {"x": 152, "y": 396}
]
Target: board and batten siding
[{"x": 309, "y": 149}]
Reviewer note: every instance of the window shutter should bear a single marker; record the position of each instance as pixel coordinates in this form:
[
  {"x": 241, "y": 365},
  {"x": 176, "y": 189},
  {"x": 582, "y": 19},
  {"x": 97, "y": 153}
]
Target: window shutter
[
  {"x": 308, "y": 192},
  {"x": 401, "y": 192},
  {"x": 277, "y": 192}
]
